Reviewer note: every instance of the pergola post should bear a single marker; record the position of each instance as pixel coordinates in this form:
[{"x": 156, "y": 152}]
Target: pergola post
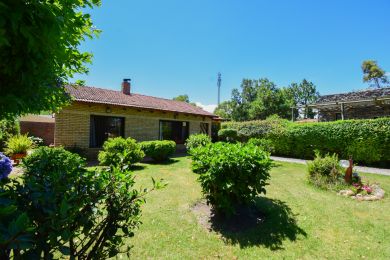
[
  {"x": 292, "y": 114},
  {"x": 342, "y": 111}
]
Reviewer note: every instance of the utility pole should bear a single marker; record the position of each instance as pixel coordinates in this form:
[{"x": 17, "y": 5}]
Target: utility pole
[{"x": 219, "y": 87}]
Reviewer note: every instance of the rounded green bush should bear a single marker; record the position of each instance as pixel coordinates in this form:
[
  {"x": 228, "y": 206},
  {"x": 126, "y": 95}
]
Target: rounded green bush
[
  {"x": 325, "y": 172},
  {"x": 197, "y": 140},
  {"x": 120, "y": 151},
  {"x": 228, "y": 135},
  {"x": 158, "y": 150},
  {"x": 231, "y": 174}
]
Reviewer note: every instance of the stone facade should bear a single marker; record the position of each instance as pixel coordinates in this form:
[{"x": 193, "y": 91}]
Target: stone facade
[
  {"x": 72, "y": 126},
  {"x": 354, "y": 112}
]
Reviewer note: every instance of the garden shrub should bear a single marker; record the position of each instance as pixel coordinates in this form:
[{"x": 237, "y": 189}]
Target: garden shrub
[
  {"x": 8, "y": 128},
  {"x": 231, "y": 174},
  {"x": 366, "y": 140},
  {"x": 325, "y": 172},
  {"x": 197, "y": 140},
  {"x": 76, "y": 213},
  {"x": 228, "y": 135},
  {"x": 265, "y": 144},
  {"x": 158, "y": 150},
  {"x": 37, "y": 141},
  {"x": 120, "y": 151},
  {"x": 19, "y": 144}
]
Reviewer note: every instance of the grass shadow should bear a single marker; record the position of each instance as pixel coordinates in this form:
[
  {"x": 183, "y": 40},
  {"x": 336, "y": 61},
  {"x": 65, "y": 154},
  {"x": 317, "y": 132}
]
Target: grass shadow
[
  {"x": 138, "y": 167},
  {"x": 269, "y": 225},
  {"x": 167, "y": 162}
]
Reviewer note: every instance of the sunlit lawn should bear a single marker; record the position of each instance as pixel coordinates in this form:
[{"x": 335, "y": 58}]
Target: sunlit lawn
[{"x": 301, "y": 221}]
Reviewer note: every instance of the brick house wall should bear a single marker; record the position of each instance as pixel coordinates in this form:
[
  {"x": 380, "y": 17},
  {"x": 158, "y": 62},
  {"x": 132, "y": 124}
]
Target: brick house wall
[
  {"x": 72, "y": 127},
  {"x": 44, "y": 130},
  {"x": 365, "y": 112}
]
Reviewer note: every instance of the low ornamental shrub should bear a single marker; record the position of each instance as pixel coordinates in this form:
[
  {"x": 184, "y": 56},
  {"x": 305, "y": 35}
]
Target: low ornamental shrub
[
  {"x": 75, "y": 212},
  {"x": 231, "y": 174},
  {"x": 197, "y": 140},
  {"x": 325, "y": 172},
  {"x": 265, "y": 144},
  {"x": 366, "y": 140},
  {"x": 120, "y": 151},
  {"x": 158, "y": 150},
  {"x": 228, "y": 135},
  {"x": 36, "y": 140},
  {"x": 19, "y": 144}
]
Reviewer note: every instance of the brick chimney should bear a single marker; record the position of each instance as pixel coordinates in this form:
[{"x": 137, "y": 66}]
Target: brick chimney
[{"x": 126, "y": 86}]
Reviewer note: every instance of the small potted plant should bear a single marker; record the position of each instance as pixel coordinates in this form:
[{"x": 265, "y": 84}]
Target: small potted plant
[{"x": 17, "y": 147}]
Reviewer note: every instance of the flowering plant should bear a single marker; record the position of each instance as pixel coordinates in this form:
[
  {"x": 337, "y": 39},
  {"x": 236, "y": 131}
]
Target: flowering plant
[{"x": 5, "y": 166}]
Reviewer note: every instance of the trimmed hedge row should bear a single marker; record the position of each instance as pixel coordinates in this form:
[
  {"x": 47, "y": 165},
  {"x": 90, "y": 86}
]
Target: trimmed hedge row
[{"x": 367, "y": 141}]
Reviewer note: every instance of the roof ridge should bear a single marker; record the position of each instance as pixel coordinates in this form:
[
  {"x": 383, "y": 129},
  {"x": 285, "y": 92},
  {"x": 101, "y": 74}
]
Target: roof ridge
[{"x": 357, "y": 91}]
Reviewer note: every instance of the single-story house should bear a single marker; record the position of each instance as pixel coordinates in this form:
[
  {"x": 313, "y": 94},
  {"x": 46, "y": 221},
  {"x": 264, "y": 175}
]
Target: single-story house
[
  {"x": 97, "y": 114},
  {"x": 364, "y": 104}
]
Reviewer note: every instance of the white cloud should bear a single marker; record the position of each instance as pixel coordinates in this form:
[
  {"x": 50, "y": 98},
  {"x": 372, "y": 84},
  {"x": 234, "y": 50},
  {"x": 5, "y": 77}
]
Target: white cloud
[{"x": 208, "y": 108}]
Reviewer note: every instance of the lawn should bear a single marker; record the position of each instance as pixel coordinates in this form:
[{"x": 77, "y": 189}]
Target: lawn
[{"x": 300, "y": 221}]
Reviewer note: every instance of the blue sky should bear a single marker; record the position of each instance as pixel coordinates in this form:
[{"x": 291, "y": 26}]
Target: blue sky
[{"x": 170, "y": 48}]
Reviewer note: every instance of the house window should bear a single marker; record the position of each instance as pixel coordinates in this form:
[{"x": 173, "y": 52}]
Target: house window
[
  {"x": 104, "y": 127},
  {"x": 174, "y": 130},
  {"x": 204, "y": 128}
]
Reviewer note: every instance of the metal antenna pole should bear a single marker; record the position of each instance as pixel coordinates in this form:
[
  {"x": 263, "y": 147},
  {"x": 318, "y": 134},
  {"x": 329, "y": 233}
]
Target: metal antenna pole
[{"x": 219, "y": 87}]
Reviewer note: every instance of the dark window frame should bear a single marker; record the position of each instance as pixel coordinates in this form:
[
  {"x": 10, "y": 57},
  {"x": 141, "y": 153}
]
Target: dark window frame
[
  {"x": 187, "y": 134},
  {"x": 204, "y": 126},
  {"x": 91, "y": 137}
]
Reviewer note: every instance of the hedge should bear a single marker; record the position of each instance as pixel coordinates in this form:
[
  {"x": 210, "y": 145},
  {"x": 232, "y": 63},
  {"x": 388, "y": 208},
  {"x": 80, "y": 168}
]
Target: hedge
[{"x": 366, "y": 140}]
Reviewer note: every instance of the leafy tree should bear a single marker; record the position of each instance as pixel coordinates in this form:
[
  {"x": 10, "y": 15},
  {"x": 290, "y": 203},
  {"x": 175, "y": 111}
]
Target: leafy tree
[
  {"x": 303, "y": 94},
  {"x": 224, "y": 110},
  {"x": 39, "y": 52},
  {"x": 184, "y": 98},
  {"x": 373, "y": 73},
  {"x": 269, "y": 100}
]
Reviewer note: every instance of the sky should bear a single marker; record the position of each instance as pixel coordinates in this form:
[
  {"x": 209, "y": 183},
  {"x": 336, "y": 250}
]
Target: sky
[{"x": 173, "y": 47}]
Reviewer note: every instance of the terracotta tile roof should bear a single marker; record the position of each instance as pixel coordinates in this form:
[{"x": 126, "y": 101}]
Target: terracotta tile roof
[
  {"x": 113, "y": 97},
  {"x": 366, "y": 94}
]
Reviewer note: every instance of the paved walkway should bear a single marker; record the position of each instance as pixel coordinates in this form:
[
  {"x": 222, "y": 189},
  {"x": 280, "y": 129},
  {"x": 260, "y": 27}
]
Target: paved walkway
[{"x": 357, "y": 168}]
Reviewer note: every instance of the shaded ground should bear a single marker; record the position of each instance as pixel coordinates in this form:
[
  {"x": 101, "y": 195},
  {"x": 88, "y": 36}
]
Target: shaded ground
[{"x": 267, "y": 223}]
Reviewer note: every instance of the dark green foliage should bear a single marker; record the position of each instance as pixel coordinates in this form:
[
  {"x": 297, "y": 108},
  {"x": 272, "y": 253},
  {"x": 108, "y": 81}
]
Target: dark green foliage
[
  {"x": 325, "y": 172},
  {"x": 159, "y": 150},
  {"x": 265, "y": 144},
  {"x": 197, "y": 140},
  {"x": 231, "y": 174},
  {"x": 8, "y": 128},
  {"x": 259, "y": 99},
  {"x": 367, "y": 141},
  {"x": 76, "y": 213},
  {"x": 228, "y": 135},
  {"x": 120, "y": 151},
  {"x": 16, "y": 228},
  {"x": 39, "y": 52}
]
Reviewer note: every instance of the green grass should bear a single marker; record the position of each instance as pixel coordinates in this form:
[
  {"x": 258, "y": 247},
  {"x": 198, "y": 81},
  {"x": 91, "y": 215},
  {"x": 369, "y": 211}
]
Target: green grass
[{"x": 301, "y": 221}]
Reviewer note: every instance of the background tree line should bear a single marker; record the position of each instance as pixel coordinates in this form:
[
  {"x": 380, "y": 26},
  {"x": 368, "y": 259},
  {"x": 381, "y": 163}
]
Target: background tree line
[{"x": 258, "y": 99}]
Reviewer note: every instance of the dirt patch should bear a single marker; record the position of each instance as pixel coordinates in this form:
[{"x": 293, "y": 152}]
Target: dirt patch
[{"x": 245, "y": 218}]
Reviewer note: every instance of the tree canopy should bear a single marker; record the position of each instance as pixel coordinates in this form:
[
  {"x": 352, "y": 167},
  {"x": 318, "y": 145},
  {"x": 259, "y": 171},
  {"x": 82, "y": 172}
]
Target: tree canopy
[
  {"x": 259, "y": 99},
  {"x": 184, "y": 98},
  {"x": 39, "y": 52},
  {"x": 373, "y": 73}
]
